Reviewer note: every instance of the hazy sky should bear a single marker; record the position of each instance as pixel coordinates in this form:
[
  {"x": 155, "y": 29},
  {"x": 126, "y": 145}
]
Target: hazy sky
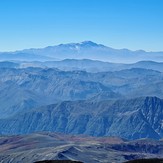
[{"x": 132, "y": 24}]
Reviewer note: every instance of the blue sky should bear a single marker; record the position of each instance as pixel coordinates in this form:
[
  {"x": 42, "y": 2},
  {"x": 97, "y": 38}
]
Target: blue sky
[{"x": 132, "y": 24}]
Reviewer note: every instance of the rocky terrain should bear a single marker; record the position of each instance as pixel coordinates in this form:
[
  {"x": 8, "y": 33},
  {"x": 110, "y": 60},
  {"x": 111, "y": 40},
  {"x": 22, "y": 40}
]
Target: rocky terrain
[
  {"x": 27, "y": 88},
  {"x": 53, "y": 146},
  {"x": 154, "y": 160},
  {"x": 58, "y": 161},
  {"x": 130, "y": 119}
]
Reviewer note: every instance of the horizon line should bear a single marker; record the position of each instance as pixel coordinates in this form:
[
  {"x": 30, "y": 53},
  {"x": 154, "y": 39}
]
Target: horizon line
[{"x": 43, "y": 47}]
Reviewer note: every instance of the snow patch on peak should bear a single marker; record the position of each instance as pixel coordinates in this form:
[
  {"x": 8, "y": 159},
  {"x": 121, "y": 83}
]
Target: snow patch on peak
[{"x": 88, "y": 43}]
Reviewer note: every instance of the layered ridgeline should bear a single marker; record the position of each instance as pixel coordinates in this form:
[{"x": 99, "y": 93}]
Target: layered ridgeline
[
  {"x": 83, "y": 65},
  {"x": 85, "y": 96},
  {"x": 24, "y": 89},
  {"x": 123, "y": 102},
  {"x": 83, "y": 50},
  {"x": 130, "y": 119}
]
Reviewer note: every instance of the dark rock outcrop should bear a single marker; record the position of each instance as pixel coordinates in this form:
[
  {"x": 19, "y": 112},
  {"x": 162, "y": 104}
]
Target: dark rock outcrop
[
  {"x": 154, "y": 160},
  {"x": 58, "y": 161}
]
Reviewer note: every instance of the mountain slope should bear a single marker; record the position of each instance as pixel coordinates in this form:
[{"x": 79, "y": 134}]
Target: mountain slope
[
  {"x": 23, "y": 89},
  {"x": 131, "y": 119}
]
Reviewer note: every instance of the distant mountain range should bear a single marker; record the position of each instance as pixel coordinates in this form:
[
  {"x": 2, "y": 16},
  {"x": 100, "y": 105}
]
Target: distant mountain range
[
  {"x": 83, "y": 65},
  {"x": 83, "y": 50}
]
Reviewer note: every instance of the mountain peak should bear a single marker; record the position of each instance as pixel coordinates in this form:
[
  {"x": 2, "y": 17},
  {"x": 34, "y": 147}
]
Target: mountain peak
[
  {"x": 90, "y": 44},
  {"x": 84, "y": 44}
]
